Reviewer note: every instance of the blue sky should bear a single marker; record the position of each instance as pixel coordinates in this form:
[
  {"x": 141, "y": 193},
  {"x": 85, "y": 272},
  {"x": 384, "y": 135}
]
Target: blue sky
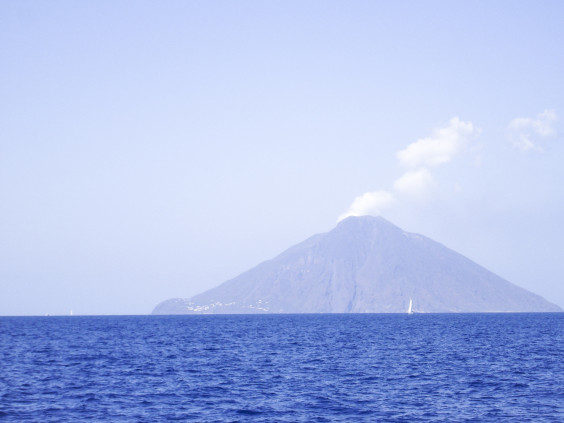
[{"x": 151, "y": 150}]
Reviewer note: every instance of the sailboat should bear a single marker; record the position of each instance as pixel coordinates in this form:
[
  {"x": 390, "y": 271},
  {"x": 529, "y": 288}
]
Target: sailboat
[{"x": 410, "y": 309}]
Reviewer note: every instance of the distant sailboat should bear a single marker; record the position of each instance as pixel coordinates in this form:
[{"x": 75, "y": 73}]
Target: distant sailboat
[{"x": 410, "y": 309}]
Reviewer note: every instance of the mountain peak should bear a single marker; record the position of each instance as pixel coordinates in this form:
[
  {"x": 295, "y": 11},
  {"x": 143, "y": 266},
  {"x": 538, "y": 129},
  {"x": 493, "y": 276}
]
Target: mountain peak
[
  {"x": 365, "y": 264},
  {"x": 365, "y": 222},
  {"x": 365, "y": 219}
]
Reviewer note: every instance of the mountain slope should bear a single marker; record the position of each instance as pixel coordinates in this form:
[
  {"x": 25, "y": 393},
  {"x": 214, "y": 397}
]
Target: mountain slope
[{"x": 364, "y": 265}]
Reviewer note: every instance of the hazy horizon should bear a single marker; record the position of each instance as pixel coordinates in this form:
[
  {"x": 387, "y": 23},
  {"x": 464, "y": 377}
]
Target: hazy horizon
[{"x": 151, "y": 151}]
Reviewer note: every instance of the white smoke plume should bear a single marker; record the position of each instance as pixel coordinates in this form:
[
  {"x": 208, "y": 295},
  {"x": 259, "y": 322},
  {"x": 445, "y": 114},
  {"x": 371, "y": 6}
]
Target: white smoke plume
[{"x": 440, "y": 148}]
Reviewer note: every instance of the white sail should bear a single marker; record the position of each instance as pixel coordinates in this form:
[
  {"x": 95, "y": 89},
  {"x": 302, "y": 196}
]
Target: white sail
[{"x": 409, "y": 310}]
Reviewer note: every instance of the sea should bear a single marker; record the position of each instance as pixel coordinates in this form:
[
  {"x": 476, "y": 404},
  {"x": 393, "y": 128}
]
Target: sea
[{"x": 283, "y": 368}]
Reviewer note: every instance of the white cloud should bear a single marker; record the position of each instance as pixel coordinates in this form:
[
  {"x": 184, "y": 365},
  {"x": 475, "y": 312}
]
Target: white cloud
[
  {"x": 523, "y": 142},
  {"x": 439, "y": 148},
  {"x": 370, "y": 203},
  {"x": 414, "y": 183},
  {"x": 542, "y": 125},
  {"x": 525, "y": 133}
]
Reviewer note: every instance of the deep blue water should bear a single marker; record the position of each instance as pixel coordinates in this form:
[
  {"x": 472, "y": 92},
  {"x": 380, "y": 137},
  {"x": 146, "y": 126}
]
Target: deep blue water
[{"x": 283, "y": 368}]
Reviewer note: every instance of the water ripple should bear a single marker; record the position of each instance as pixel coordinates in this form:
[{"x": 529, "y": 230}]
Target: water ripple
[{"x": 284, "y": 368}]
